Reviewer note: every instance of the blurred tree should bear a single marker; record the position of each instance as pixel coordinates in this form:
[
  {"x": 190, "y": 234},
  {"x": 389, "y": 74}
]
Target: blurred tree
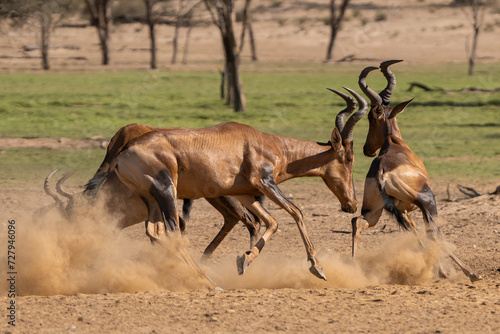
[
  {"x": 475, "y": 11},
  {"x": 221, "y": 12},
  {"x": 100, "y": 14},
  {"x": 335, "y": 22},
  {"x": 247, "y": 25},
  {"x": 151, "y": 19},
  {"x": 178, "y": 23},
  {"x": 183, "y": 17},
  {"x": 43, "y": 15}
]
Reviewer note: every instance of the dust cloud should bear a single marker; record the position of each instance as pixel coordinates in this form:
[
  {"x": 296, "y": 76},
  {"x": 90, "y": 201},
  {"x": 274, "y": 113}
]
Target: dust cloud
[
  {"x": 399, "y": 260},
  {"x": 91, "y": 255}
]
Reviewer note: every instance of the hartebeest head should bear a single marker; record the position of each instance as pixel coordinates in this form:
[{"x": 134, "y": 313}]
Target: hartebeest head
[
  {"x": 343, "y": 133},
  {"x": 382, "y": 117}
]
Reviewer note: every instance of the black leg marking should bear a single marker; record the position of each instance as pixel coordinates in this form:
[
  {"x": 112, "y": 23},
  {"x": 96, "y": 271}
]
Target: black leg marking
[
  {"x": 391, "y": 207},
  {"x": 260, "y": 244},
  {"x": 427, "y": 203},
  {"x": 162, "y": 190},
  {"x": 187, "y": 205},
  {"x": 269, "y": 183}
]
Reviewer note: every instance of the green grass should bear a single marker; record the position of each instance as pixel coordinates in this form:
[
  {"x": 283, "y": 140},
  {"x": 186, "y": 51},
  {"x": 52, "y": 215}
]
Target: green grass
[
  {"x": 30, "y": 166},
  {"x": 456, "y": 134}
]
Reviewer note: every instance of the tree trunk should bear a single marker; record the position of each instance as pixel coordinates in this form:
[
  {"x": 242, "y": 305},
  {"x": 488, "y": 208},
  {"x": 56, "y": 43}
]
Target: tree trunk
[
  {"x": 174, "y": 42},
  {"x": 151, "y": 25},
  {"x": 235, "y": 96},
  {"x": 44, "y": 41},
  {"x": 335, "y": 25},
  {"x": 473, "y": 50},
  {"x": 186, "y": 44},
  {"x": 223, "y": 84},
  {"x": 252, "y": 42},
  {"x": 104, "y": 18},
  {"x": 331, "y": 43},
  {"x": 176, "y": 33},
  {"x": 153, "y": 45},
  {"x": 247, "y": 25},
  {"x": 101, "y": 16},
  {"x": 478, "y": 9},
  {"x": 244, "y": 25},
  {"x": 472, "y": 57},
  {"x": 221, "y": 12}
]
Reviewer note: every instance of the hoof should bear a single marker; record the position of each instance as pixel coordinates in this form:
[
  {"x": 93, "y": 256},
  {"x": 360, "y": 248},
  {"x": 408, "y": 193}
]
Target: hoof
[
  {"x": 242, "y": 263},
  {"x": 205, "y": 258},
  {"x": 318, "y": 272},
  {"x": 442, "y": 274},
  {"x": 474, "y": 278}
]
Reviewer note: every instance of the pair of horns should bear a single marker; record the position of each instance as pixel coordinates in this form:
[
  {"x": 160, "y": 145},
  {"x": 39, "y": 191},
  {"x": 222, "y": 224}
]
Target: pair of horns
[
  {"x": 346, "y": 128},
  {"x": 59, "y": 188},
  {"x": 384, "y": 96}
]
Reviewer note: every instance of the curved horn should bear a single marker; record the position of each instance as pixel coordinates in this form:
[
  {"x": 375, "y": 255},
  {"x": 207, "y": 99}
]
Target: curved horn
[
  {"x": 391, "y": 80},
  {"x": 363, "y": 107},
  {"x": 48, "y": 191},
  {"x": 59, "y": 184},
  {"x": 343, "y": 114},
  {"x": 374, "y": 97}
]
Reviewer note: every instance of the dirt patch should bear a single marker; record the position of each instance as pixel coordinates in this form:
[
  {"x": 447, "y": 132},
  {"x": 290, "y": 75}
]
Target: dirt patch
[{"x": 54, "y": 143}]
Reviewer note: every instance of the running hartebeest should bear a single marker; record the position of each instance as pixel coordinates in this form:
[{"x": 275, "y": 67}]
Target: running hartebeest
[
  {"x": 397, "y": 179},
  {"x": 132, "y": 210},
  {"x": 233, "y": 159}
]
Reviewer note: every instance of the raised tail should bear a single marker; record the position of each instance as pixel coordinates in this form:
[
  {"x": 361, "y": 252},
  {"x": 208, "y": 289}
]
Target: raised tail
[
  {"x": 389, "y": 206},
  {"x": 92, "y": 187}
]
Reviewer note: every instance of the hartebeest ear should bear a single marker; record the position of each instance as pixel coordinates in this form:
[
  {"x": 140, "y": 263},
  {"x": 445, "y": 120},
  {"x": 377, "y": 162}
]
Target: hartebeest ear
[
  {"x": 336, "y": 140},
  {"x": 399, "y": 108},
  {"x": 377, "y": 111}
]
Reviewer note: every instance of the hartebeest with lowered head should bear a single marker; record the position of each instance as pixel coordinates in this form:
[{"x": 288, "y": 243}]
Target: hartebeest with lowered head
[
  {"x": 122, "y": 202},
  {"x": 397, "y": 179},
  {"x": 233, "y": 159}
]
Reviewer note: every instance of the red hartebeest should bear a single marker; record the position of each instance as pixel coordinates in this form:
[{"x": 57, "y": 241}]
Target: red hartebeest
[
  {"x": 397, "y": 179},
  {"x": 233, "y": 159},
  {"x": 132, "y": 210}
]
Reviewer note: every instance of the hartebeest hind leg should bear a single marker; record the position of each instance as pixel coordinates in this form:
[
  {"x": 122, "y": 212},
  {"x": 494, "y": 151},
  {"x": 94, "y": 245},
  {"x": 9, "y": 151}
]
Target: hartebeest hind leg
[
  {"x": 243, "y": 261},
  {"x": 233, "y": 212},
  {"x": 163, "y": 217},
  {"x": 399, "y": 192},
  {"x": 427, "y": 204},
  {"x": 162, "y": 205},
  {"x": 434, "y": 234}
]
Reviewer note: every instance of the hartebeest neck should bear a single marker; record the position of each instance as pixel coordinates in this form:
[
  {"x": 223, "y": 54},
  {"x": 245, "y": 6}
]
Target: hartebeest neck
[
  {"x": 303, "y": 158},
  {"x": 392, "y": 128}
]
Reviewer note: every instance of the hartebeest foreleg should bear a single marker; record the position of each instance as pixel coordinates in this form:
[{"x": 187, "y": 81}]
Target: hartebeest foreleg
[{"x": 271, "y": 190}]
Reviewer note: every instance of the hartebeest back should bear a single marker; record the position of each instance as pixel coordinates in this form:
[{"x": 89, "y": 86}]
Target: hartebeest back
[
  {"x": 130, "y": 209},
  {"x": 397, "y": 179},
  {"x": 233, "y": 159}
]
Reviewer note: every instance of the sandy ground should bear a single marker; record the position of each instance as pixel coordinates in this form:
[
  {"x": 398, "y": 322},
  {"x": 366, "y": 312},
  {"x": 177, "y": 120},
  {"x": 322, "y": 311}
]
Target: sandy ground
[{"x": 86, "y": 276}]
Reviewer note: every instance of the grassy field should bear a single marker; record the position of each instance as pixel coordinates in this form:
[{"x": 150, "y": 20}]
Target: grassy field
[{"x": 457, "y": 134}]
